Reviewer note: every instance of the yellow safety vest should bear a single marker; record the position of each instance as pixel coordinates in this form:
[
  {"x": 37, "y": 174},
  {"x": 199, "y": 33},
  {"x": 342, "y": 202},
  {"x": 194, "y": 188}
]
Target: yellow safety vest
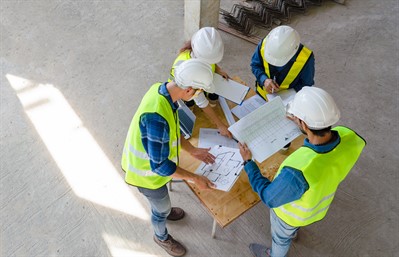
[
  {"x": 292, "y": 74},
  {"x": 323, "y": 172},
  {"x": 135, "y": 160},
  {"x": 183, "y": 56}
]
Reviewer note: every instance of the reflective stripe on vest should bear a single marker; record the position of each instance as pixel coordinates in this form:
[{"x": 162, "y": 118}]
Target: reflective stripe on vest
[
  {"x": 292, "y": 74},
  {"x": 144, "y": 156},
  {"x": 311, "y": 210},
  {"x": 183, "y": 56},
  {"x": 135, "y": 160},
  {"x": 323, "y": 173}
]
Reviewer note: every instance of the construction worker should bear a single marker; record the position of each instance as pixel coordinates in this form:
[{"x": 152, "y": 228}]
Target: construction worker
[
  {"x": 305, "y": 184},
  {"x": 207, "y": 45},
  {"x": 152, "y": 147},
  {"x": 281, "y": 62}
]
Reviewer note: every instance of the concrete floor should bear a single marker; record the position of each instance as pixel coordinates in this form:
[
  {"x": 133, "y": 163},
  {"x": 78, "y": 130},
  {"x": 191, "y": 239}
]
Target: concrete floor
[{"x": 72, "y": 76}]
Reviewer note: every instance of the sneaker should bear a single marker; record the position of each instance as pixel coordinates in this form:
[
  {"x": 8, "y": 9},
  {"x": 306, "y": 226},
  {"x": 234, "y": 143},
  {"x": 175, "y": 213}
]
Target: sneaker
[
  {"x": 171, "y": 246},
  {"x": 285, "y": 148},
  {"x": 176, "y": 214},
  {"x": 259, "y": 250}
]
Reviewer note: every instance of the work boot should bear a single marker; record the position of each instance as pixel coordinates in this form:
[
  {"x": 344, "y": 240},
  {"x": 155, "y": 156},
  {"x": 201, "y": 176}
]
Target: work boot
[
  {"x": 171, "y": 246},
  {"x": 259, "y": 250},
  {"x": 176, "y": 214}
]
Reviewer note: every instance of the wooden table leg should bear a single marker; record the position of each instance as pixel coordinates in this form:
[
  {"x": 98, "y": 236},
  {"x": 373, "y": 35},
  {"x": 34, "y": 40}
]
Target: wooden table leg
[
  {"x": 174, "y": 181},
  {"x": 213, "y": 228}
]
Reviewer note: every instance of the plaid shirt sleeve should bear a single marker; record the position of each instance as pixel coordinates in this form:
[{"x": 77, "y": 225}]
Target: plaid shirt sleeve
[{"x": 155, "y": 137}]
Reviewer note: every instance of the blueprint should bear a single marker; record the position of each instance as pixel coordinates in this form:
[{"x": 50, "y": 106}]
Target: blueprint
[
  {"x": 265, "y": 130},
  {"x": 226, "y": 169}
]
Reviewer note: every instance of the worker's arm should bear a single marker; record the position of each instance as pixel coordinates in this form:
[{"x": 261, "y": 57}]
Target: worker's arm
[
  {"x": 201, "y": 154},
  {"x": 257, "y": 67},
  {"x": 201, "y": 181},
  {"x": 203, "y": 103},
  {"x": 289, "y": 185},
  {"x": 155, "y": 137},
  {"x": 215, "y": 119},
  {"x": 221, "y": 72}
]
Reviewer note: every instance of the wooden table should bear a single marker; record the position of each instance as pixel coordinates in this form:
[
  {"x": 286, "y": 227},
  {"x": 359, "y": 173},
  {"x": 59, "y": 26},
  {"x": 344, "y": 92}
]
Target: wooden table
[{"x": 225, "y": 207}]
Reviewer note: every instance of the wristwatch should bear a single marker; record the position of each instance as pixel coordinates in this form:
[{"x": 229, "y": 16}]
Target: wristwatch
[{"x": 245, "y": 162}]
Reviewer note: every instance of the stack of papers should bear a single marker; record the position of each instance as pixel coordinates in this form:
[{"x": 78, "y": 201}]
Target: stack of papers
[
  {"x": 248, "y": 106},
  {"x": 256, "y": 101}
]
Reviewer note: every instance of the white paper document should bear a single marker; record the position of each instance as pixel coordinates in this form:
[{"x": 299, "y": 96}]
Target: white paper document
[
  {"x": 226, "y": 110},
  {"x": 209, "y": 137},
  {"x": 230, "y": 89},
  {"x": 266, "y": 130},
  {"x": 286, "y": 95},
  {"x": 248, "y": 106},
  {"x": 226, "y": 169}
]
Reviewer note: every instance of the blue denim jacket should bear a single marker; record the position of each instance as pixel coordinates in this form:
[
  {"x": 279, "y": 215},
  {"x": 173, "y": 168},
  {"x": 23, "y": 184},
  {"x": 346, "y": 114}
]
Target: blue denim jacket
[{"x": 289, "y": 186}]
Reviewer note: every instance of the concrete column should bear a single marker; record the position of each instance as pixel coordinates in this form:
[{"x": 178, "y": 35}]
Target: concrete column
[{"x": 198, "y": 14}]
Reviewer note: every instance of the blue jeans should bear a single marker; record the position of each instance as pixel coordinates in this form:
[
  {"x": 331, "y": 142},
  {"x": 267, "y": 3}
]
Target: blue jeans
[
  {"x": 282, "y": 235},
  {"x": 160, "y": 209}
]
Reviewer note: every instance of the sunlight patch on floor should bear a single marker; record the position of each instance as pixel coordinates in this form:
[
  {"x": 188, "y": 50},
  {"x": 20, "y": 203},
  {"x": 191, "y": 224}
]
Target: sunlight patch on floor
[
  {"x": 119, "y": 248},
  {"x": 81, "y": 160}
]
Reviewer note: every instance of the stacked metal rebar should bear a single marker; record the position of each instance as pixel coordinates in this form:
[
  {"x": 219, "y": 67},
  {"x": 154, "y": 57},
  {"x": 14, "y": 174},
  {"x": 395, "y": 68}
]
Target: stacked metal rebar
[{"x": 263, "y": 13}]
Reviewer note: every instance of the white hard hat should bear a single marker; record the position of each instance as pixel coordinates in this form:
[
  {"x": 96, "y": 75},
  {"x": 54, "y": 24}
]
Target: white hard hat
[
  {"x": 281, "y": 45},
  {"x": 196, "y": 74},
  {"x": 207, "y": 45},
  {"x": 315, "y": 107}
]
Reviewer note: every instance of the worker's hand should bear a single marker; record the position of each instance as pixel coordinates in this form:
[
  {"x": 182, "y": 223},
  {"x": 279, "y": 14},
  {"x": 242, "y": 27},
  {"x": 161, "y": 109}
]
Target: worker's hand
[
  {"x": 203, "y": 154},
  {"x": 271, "y": 86},
  {"x": 224, "y": 74},
  {"x": 224, "y": 131},
  {"x": 203, "y": 183},
  {"x": 245, "y": 152}
]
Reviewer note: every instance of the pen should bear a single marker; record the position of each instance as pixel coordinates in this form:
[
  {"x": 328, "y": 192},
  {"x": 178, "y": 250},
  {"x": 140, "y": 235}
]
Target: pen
[{"x": 274, "y": 80}]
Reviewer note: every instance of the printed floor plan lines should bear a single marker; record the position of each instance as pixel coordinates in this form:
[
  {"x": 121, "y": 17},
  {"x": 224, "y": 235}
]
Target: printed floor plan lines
[{"x": 226, "y": 169}]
